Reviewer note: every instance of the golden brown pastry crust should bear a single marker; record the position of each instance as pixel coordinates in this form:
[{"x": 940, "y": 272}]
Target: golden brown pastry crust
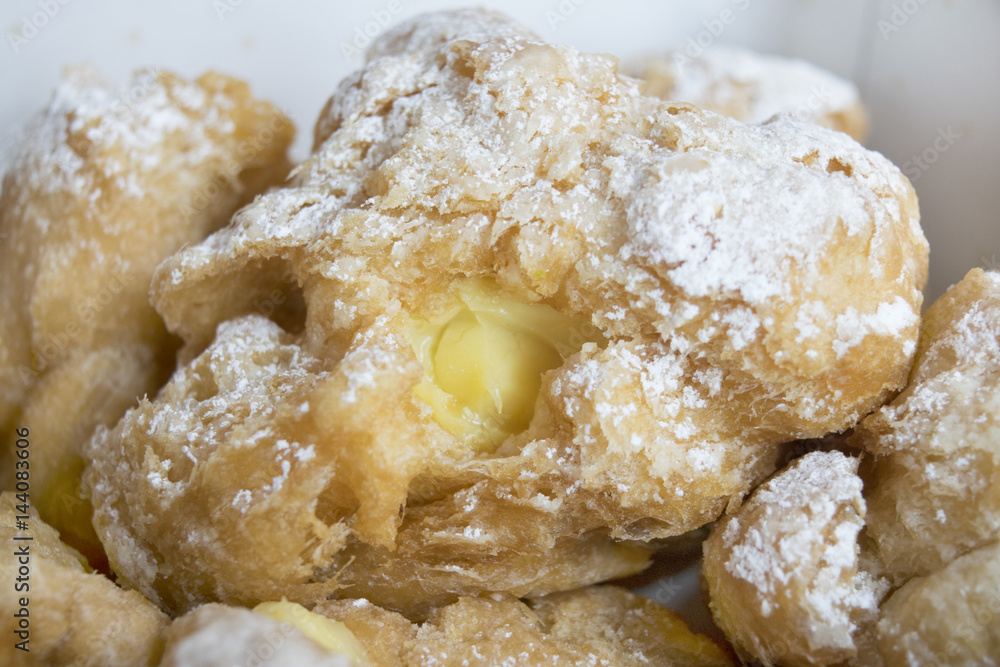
[
  {"x": 949, "y": 617},
  {"x": 76, "y": 617},
  {"x": 933, "y": 484},
  {"x": 600, "y": 626},
  {"x": 108, "y": 182},
  {"x": 756, "y": 284},
  {"x": 593, "y": 626},
  {"x": 783, "y": 573},
  {"x": 752, "y": 87},
  {"x": 931, "y": 530},
  {"x": 258, "y": 499}
]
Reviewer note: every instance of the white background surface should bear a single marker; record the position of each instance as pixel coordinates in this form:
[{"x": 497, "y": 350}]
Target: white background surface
[{"x": 922, "y": 67}]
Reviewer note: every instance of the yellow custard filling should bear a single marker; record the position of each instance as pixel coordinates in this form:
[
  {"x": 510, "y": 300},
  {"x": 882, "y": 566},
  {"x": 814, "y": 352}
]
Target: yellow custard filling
[
  {"x": 484, "y": 358},
  {"x": 332, "y": 635}
]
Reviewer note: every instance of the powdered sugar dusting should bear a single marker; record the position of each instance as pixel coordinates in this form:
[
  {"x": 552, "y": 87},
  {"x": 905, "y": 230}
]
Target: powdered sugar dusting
[
  {"x": 125, "y": 126},
  {"x": 795, "y": 543},
  {"x": 891, "y": 319},
  {"x": 750, "y": 86},
  {"x": 691, "y": 239},
  {"x": 953, "y": 370},
  {"x": 553, "y": 144}
]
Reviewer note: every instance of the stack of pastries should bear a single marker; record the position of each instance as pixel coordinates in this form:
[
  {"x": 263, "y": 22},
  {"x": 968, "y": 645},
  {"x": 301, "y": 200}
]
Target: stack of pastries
[{"x": 517, "y": 320}]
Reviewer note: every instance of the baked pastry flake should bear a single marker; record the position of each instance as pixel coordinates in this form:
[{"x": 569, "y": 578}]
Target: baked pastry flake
[{"x": 748, "y": 285}]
